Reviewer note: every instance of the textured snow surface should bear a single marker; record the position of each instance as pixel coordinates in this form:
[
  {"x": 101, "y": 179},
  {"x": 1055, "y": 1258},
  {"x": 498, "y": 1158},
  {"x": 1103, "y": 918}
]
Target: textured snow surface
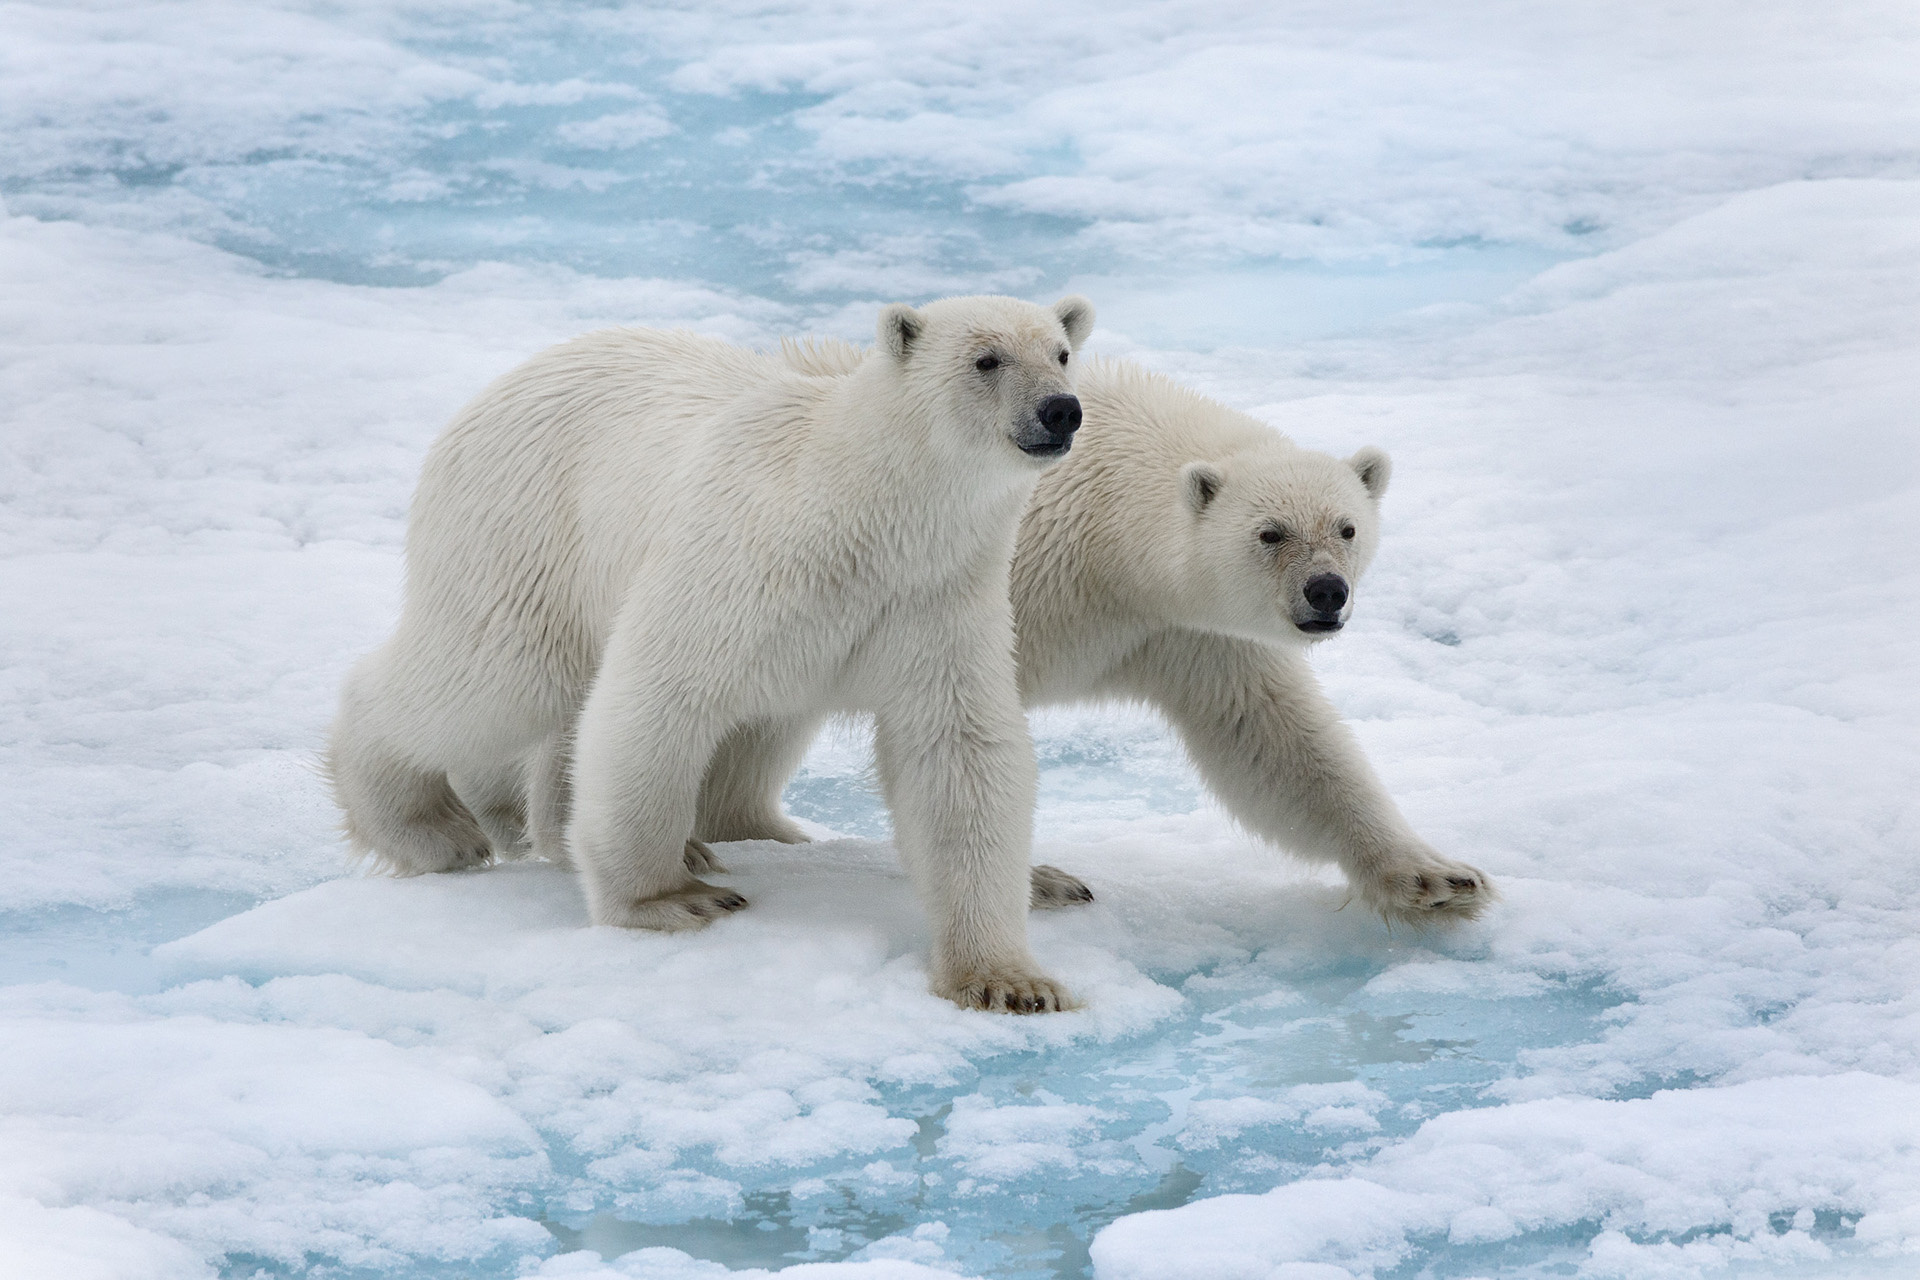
[{"x": 1640, "y": 643}]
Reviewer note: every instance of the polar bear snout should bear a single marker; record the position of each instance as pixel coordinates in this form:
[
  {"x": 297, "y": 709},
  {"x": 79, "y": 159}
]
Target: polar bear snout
[
  {"x": 1326, "y": 594},
  {"x": 1050, "y": 434},
  {"x": 1060, "y": 414}
]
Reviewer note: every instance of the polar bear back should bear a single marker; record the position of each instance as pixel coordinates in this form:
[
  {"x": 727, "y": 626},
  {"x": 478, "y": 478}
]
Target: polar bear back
[{"x": 612, "y": 447}]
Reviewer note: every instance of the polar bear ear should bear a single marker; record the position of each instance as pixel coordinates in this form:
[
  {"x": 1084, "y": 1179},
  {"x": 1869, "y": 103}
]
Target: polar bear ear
[
  {"x": 1076, "y": 315},
  {"x": 1374, "y": 468},
  {"x": 1200, "y": 482},
  {"x": 900, "y": 327}
]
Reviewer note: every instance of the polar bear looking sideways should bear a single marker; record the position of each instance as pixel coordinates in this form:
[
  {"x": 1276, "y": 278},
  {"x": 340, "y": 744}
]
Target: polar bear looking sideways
[
  {"x": 1185, "y": 556},
  {"x": 668, "y": 559}
]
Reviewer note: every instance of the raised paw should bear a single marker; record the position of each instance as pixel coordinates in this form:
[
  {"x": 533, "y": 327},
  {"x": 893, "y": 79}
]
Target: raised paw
[
  {"x": 1008, "y": 991},
  {"x": 694, "y": 907},
  {"x": 700, "y": 860},
  {"x": 1425, "y": 888},
  {"x": 1054, "y": 888}
]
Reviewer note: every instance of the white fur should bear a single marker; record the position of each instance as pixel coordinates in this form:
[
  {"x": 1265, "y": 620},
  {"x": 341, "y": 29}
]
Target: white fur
[
  {"x": 1140, "y": 574},
  {"x": 668, "y": 559},
  {"x": 1127, "y": 582}
]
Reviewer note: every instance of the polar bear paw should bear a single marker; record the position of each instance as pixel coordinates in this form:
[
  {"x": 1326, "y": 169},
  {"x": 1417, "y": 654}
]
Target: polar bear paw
[
  {"x": 694, "y": 907},
  {"x": 701, "y": 861},
  {"x": 471, "y": 856},
  {"x": 1054, "y": 888},
  {"x": 1007, "y": 991},
  {"x": 421, "y": 858},
  {"x": 1426, "y": 888}
]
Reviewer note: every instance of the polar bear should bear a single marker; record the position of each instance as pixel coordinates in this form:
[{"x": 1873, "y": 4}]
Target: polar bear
[
  {"x": 1185, "y": 556},
  {"x": 644, "y": 561}
]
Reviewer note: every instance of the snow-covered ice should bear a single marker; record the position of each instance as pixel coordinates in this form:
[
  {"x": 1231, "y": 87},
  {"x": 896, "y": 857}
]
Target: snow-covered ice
[{"x": 1631, "y": 293}]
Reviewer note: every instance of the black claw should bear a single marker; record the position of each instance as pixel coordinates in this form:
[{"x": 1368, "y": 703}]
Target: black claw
[{"x": 1460, "y": 882}]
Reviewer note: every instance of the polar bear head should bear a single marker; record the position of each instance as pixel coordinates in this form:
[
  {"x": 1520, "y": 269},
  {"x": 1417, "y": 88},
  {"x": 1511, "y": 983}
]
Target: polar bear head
[
  {"x": 1280, "y": 535},
  {"x": 992, "y": 372}
]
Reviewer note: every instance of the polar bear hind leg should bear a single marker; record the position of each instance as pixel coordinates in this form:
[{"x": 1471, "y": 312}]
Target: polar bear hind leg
[
  {"x": 496, "y": 797},
  {"x": 740, "y": 795},
  {"x": 400, "y": 811}
]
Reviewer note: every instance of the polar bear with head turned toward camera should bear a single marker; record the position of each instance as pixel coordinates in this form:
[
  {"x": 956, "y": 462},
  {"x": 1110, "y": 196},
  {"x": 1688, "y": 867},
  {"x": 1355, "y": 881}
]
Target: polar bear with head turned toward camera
[
  {"x": 1185, "y": 556},
  {"x": 668, "y": 559}
]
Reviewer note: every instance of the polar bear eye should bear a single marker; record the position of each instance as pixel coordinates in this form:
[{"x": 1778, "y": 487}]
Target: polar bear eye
[
  {"x": 1273, "y": 537},
  {"x": 1346, "y": 531},
  {"x": 987, "y": 363},
  {"x": 1063, "y": 357}
]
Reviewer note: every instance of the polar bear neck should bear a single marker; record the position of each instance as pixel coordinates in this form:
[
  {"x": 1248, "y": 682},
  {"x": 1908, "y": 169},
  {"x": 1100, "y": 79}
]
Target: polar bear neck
[{"x": 865, "y": 477}]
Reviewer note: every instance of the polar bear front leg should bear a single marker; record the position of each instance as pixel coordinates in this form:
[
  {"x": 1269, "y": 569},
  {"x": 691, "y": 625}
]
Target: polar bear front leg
[
  {"x": 1273, "y": 749},
  {"x": 550, "y": 799},
  {"x": 957, "y": 767},
  {"x": 639, "y": 751}
]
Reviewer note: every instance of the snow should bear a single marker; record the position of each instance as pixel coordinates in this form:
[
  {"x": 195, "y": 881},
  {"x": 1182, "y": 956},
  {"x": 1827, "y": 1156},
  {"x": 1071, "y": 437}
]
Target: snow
[
  {"x": 1631, "y": 295},
  {"x": 1739, "y": 1156}
]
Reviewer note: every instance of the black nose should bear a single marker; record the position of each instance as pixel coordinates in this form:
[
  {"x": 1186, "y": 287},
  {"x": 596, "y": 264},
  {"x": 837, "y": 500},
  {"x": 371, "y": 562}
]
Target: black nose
[
  {"x": 1326, "y": 592},
  {"x": 1060, "y": 415},
  {"x": 1050, "y": 434}
]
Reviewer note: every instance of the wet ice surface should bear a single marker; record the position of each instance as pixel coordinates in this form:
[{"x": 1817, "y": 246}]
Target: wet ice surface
[
  {"x": 1639, "y": 643},
  {"x": 1269, "y": 1065}
]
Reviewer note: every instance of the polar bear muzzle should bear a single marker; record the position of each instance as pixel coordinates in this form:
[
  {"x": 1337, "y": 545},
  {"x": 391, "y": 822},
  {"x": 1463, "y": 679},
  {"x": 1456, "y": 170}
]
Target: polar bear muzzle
[
  {"x": 1050, "y": 434},
  {"x": 1325, "y": 594}
]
